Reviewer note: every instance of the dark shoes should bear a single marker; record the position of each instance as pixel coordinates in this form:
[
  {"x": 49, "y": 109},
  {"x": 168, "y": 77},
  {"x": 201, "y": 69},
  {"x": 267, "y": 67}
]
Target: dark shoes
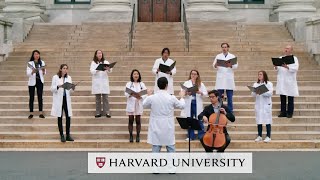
[
  {"x": 282, "y": 115},
  {"x": 108, "y": 115},
  {"x": 41, "y": 116},
  {"x": 69, "y": 138},
  {"x": 131, "y": 138},
  {"x": 62, "y": 138},
  {"x": 30, "y": 116},
  {"x": 138, "y": 138},
  {"x": 97, "y": 116},
  {"x": 289, "y": 116}
]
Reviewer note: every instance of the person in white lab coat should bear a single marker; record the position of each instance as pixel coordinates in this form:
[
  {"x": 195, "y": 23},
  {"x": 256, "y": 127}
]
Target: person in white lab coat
[
  {"x": 61, "y": 100},
  {"x": 169, "y": 75},
  {"x": 194, "y": 102},
  {"x": 287, "y": 84},
  {"x": 263, "y": 106},
  {"x": 225, "y": 75},
  {"x": 36, "y": 71},
  {"x": 161, "y": 129},
  {"x": 100, "y": 84},
  {"x": 134, "y": 107}
]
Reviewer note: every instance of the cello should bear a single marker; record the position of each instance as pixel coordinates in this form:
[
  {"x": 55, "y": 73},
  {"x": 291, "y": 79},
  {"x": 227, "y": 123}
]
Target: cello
[{"x": 215, "y": 136}]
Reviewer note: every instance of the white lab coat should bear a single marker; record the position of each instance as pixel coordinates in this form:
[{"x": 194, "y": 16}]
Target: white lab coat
[
  {"x": 131, "y": 101},
  {"x": 100, "y": 79},
  {"x": 32, "y": 77},
  {"x": 57, "y": 97},
  {"x": 161, "y": 129},
  {"x": 169, "y": 77},
  {"x": 263, "y": 105},
  {"x": 186, "y": 112},
  {"x": 287, "y": 79},
  {"x": 225, "y": 76}
]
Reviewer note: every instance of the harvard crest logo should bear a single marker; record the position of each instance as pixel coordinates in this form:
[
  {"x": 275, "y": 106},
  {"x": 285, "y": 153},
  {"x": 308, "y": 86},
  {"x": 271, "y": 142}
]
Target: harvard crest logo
[{"x": 100, "y": 161}]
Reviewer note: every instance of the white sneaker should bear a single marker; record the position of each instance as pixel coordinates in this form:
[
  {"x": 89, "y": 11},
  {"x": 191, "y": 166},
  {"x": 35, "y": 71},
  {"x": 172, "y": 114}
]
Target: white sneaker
[
  {"x": 258, "y": 139},
  {"x": 187, "y": 139},
  {"x": 267, "y": 139}
]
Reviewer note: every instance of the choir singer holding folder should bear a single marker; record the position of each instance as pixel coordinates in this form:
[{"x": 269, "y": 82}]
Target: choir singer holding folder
[
  {"x": 100, "y": 83},
  {"x": 61, "y": 100},
  {"x": 225, "y": 75},
  {"x": 262, "y": 91},
  {"x": 164, "y": 60},
  {"x": 287, "y": 83},
  {"x": 135, "y": 92}
]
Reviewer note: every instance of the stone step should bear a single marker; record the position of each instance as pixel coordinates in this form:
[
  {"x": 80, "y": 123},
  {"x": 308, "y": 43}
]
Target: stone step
[
  {"x": 235, "y": 144},
  {"x": 123, "y": 135},
  {"x": 121, "y": 112},
  {"x": 302, "y": 101},
  {"x": 120, "y": 129},
  {"x": 123, "y": 119},
  {"x": 122, "y": 104}
]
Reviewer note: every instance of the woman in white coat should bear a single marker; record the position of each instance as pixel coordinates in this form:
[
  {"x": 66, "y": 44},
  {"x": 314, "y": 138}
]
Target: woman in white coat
[
  {"x": 194, "y": 102},
  {"x": 100, "y": 84},
  {"x": 36, "y": 71},
  {"x": 61, "y": 100},
  {"x": 263, "y": 106},
  {"x": 225, "y": 75},
  {"x": 287, "y": 84},
  {"x": 169, "y": 75},
  {"x": 134, "y": 107}
]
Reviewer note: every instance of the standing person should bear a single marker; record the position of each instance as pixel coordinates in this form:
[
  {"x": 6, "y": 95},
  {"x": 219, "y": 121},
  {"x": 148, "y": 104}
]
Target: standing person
[
  {"x": 169, "y": 75},
  {"x": 263, "y": 106},
  {"x": 287, "y": 83},
  {"x": 161, "y": 129},
  {"x": 100, "y": 84},
  {"x": 214, "y": 96},
  {"x": 134, "y": 107},
  {"x": 35, "y": 71},
  {"x": 225, "y": 75},
  {"x": 62, "y": 100},
  {"x": 194, "y": 101}
]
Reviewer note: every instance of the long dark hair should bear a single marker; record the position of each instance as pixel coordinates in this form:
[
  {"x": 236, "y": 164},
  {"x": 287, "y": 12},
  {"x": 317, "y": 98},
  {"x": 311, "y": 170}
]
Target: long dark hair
[
  {"x": 131, "y": 76},
  {"x": 198, "y": 80},
  {"x": 265, "y": 77},
  {"x": 59, "y": 73},
  {"x": 95, "y": 59},
  {"x": 32, "y": 57}
]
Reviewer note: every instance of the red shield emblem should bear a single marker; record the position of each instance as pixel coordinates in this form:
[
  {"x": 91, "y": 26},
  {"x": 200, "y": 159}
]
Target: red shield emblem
[{"x": 100, "y": 161}]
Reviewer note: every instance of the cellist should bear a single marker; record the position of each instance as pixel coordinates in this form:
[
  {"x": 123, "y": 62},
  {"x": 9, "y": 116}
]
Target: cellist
[{"x": 214, "y": 108}]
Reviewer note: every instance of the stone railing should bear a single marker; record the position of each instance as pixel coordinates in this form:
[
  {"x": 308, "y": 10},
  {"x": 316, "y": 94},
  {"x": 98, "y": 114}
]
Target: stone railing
[
  {"x": 5, "y": 38},
  {"x": 306, "y": 30}
]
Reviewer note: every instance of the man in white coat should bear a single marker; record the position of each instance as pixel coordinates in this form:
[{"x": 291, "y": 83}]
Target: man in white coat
[
  {"x": 287, "y": 83},
  {"x": 225, "y": 75},
  {"x": 161, "y": 129},
  {"x": 155, "y": 70}
]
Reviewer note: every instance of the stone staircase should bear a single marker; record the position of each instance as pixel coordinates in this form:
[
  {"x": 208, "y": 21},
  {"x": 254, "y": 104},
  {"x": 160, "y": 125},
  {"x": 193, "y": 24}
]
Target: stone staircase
[{"x": 253, "y": 44}]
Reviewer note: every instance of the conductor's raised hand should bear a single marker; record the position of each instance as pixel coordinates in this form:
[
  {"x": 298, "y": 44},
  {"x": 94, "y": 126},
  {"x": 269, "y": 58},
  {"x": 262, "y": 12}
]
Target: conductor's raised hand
[{"x": 182, "y": 93}]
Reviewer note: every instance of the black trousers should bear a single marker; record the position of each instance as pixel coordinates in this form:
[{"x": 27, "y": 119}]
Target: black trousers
[
  {"x": 39, "y": 86},
  {"x": 284, "y": 109},
  {"x": 210, "y": 149},
  {"x": 68, "y": 119}
]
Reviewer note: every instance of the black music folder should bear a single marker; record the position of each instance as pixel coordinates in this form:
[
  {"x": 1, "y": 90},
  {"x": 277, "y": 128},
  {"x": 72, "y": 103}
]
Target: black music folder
[
  {"x": 283, "y": 60},
  {"x": 164, "y": 68},
  {"x": 141, "y": 93},
  {"x": 102, "y": 66},
  {"x": 192, "y": 89},
  {"x": 69, "y": 86},
  {"x": 262, "y": 89},
  {"x": 223, "y": 63}
]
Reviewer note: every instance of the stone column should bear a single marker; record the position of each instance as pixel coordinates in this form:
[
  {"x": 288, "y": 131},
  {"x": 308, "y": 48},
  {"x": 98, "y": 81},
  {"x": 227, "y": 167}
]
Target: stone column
[
  {"x": 207, "y": 5},
  {"x": 22, "y": 6},
  {"x": 110, "y": 11},
  {"x": 290, "y": 9},
  {"x": 110, "y": 5}
]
